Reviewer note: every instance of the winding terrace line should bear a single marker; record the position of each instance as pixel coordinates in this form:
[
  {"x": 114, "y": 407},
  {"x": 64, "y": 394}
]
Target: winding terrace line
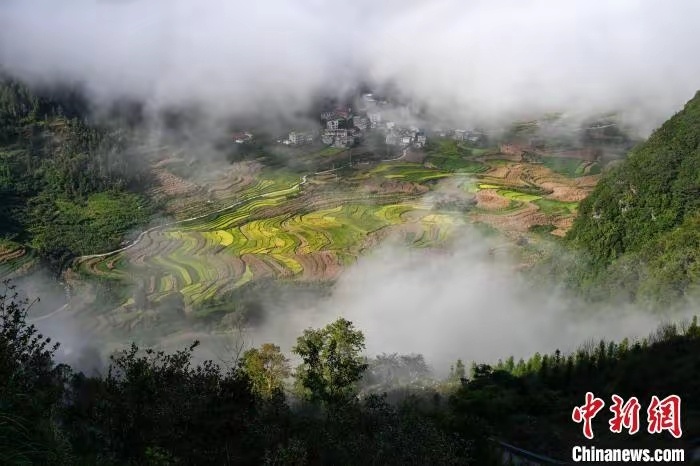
[
  {"x": 198, "y": 217},
  {"x": 157, "y": 227},
  {"x": 303, "y": 181}
]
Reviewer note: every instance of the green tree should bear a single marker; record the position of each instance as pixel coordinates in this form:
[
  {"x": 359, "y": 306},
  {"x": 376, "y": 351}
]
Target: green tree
[
  {"x": 332, "y": 362},
  {"x": 458, "y": 371},
  {"x": 267, "y": 368},
  {"x": 31, "y": 385}
]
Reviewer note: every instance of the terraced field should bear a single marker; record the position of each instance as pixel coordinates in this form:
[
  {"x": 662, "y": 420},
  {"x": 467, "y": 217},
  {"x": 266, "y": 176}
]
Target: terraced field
[
  {"x": 15, "y": 259},
  {"x": 517, "y": 197},
  {"x": 265, "y": 224},
  {"x": 289, "y": 233}
]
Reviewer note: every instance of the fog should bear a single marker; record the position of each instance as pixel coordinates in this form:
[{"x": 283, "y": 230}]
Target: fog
[
  {"x": 462, "y": 303},
  {"x": 475, "y": 61}
]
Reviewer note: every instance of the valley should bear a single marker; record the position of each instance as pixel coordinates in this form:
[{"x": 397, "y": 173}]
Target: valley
[{"x": 224, "y": 233}]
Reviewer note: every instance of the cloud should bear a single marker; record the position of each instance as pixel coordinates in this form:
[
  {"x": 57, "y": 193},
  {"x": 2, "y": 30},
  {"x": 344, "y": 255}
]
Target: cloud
[
  {"x": 475, "y": 60},
  {"x": 462, "y": 303}
]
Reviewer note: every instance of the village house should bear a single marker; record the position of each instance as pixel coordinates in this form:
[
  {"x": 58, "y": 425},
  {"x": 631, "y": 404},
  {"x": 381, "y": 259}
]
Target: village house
[
  {"x": 341, "y": 138},
  {"x": 375, "y": 119},
  {"x": 458, "y": 134},
  {"x": 328, "y": 137},
  {"x": 337, "y": 138},
  {"x": 406, "y": 138},
  {"x": 421, "y": 140},
  {"x": 241, "y": 136},
  {"x": 298, "y": 138},
  {"x": 361, "y": 123},
  {"x": 474, "y": 136},
  {"x": 336, "y": 119}
]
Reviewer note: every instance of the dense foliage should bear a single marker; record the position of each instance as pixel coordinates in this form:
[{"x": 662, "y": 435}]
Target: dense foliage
[
  {"x": 67, "y": 185},
  {"x": 154, "y": 408},
  {"x": 638, "y": 230},
  {"x": 530, "y": 402}
]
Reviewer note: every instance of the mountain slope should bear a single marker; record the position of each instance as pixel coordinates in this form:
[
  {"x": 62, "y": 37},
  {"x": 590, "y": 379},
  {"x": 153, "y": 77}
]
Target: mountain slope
[
  {"x": 67, "y": 184},
  {"x": 639, "y": 228}
]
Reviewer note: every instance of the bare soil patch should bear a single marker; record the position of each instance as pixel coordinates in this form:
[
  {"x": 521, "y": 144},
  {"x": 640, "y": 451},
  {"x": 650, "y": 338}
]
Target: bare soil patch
[{"x": 490, "y": 200}]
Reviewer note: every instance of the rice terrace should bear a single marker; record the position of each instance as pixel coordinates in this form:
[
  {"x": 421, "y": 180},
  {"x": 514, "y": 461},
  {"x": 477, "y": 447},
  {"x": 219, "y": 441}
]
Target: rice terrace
[{"x": 251, "y": 222}]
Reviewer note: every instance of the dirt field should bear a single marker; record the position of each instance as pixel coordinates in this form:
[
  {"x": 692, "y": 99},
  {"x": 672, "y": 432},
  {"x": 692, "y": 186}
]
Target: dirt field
[{"x": 489, "y": 200}]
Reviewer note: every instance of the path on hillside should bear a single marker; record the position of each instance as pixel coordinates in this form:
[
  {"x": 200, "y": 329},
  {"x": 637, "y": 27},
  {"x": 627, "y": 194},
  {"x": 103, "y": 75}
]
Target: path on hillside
[{"x": 49, "y": 315}]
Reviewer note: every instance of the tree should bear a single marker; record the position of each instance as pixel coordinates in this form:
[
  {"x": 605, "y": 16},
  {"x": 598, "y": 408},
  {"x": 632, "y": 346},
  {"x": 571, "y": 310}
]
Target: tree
[
  {"x": 391, "y": 371},
  {"x": 158, "y": 407},
  {"x": 31, "y": 385},
  {"x": 458, "y": 372},
  {"x": 332, "y": 364},
  {"x": 266, "y": 368}
]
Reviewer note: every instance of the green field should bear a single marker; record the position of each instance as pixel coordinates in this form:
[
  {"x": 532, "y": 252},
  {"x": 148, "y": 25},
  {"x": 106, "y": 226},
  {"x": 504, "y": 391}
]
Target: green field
[
  {"x": 517, "y": 196},
  {"x": 405, "y": 172},
  {"x": 453, "y": 156},
  {"x": 553, "y": 207},
  {"x": 568, "y": 167}
]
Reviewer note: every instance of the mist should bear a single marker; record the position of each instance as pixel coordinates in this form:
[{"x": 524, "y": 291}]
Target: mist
[
  {"x": 462, "y": 303},
  {"x": 475, "y": 63},
  {"x": 481, "y": 61}
]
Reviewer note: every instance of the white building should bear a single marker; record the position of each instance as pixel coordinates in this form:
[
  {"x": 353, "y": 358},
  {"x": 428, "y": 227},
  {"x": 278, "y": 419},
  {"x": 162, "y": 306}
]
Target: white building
[
  {"x": 336, "y": 138},
  {"x": 360, "y": 123},
  {"x": 332, "y": 124},
  {"x": 341, "y": 138},
  {"x": 299, "y": 138},
  {"x": 328, "y": 137},
  {"x": 392, "y": 139},
  {"x": 375, "y": 119},
  {"x": 241, "y": 137}
]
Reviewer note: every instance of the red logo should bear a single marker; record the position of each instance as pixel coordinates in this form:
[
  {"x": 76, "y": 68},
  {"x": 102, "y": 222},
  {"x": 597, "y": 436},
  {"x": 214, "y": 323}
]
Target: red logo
[
  {"x": 587, "y": 412},
  {"x": 665, "y": 415},
  {"x": 625, "y": 415},
  {"x": 662, "y": 415}
]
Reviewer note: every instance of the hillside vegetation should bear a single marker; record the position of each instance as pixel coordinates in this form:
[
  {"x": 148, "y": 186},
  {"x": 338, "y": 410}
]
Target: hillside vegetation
[
  {"x": 640, "y": 228},
  {"x": 152, "y": 408},
  {"x": 67, "y": 185}
]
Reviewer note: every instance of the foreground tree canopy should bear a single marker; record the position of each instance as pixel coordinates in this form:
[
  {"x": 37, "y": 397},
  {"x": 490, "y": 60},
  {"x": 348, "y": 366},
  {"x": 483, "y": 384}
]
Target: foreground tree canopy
[
  {"x": 333, "y": 363},
  {"x": 155, "y": 408}
]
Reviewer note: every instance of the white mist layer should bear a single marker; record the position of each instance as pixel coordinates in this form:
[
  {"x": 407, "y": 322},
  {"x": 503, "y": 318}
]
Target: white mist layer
[
  {"x": 477, "y": 60},
  {"x": 464, "y": 304}
]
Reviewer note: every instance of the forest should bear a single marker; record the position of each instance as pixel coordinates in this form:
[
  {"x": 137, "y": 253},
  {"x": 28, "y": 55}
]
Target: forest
[
  {"x": 637, "y": 236},
  {"x": 151, "y": 408},
  {"x": 62, "y": 175}
]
